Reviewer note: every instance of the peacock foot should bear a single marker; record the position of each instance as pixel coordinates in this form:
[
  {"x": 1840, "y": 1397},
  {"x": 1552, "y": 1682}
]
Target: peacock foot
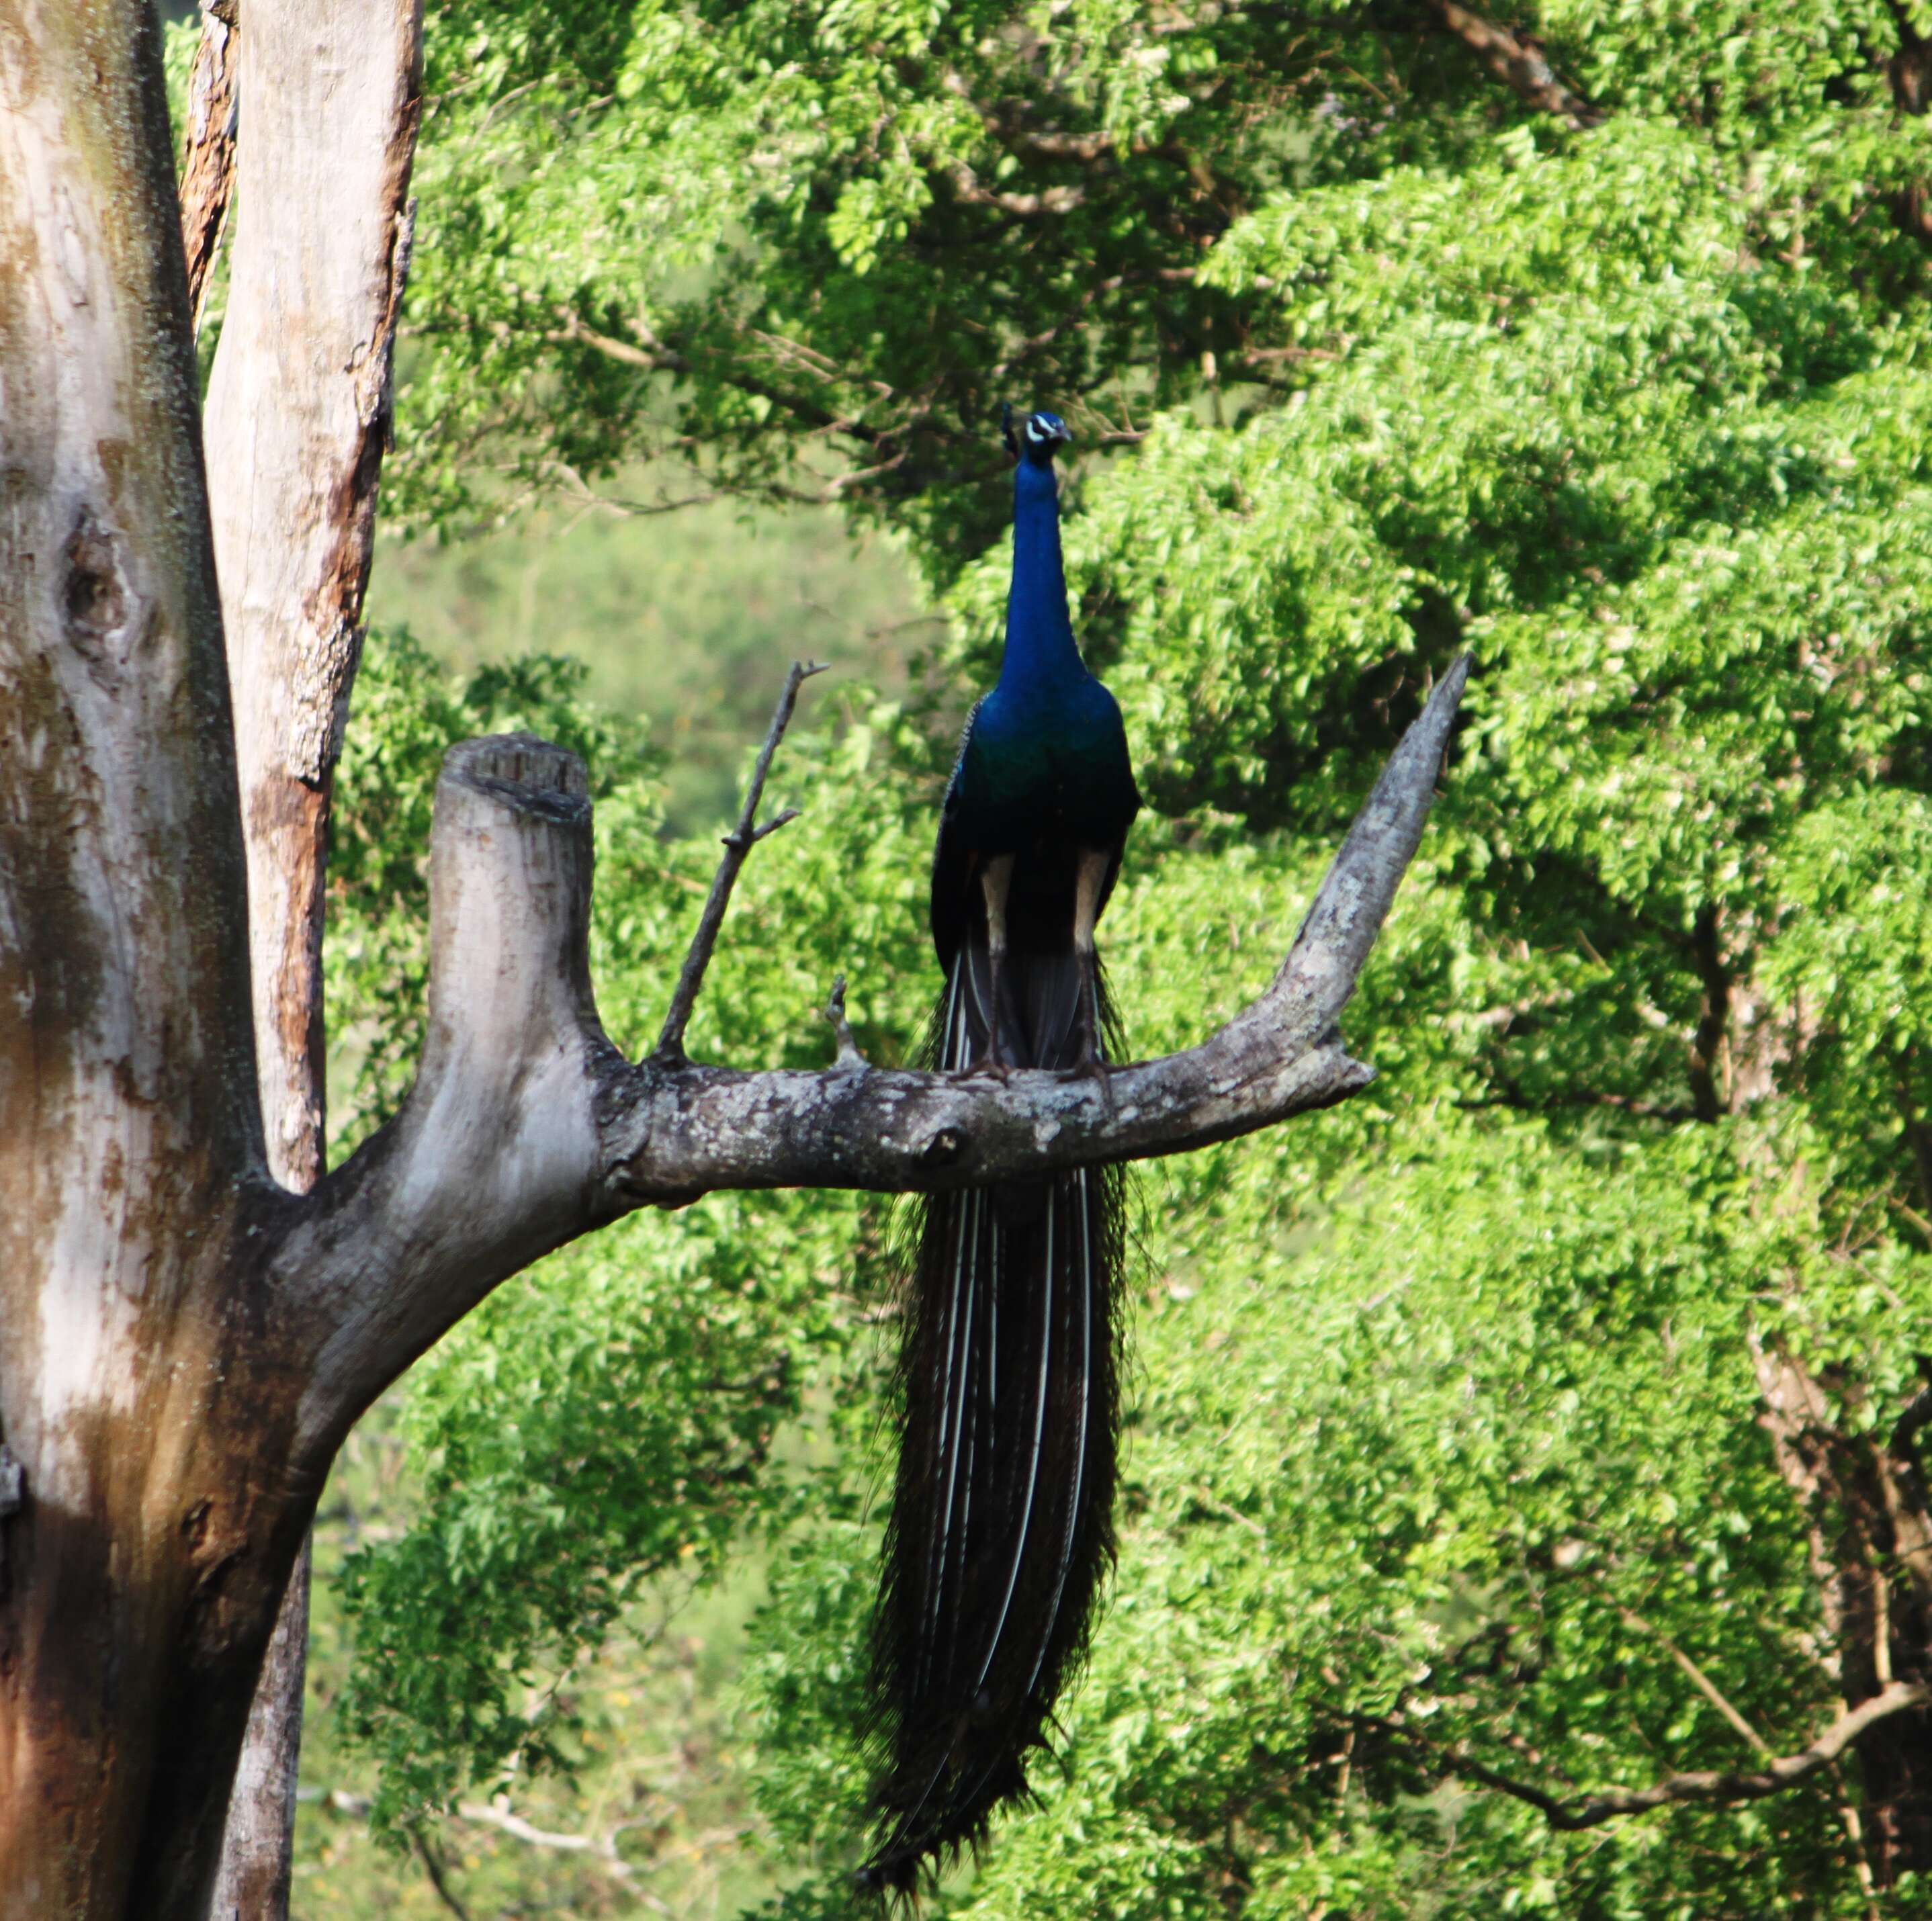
[{"x": 1092, "y": 1065}]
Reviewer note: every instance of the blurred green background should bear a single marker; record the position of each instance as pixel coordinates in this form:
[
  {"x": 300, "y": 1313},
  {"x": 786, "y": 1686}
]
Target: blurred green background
[{"x": 687, "y": 618}]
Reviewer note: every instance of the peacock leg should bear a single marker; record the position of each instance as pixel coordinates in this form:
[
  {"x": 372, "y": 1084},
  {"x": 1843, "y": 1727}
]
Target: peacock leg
[
  {"x": 996, "y": 879},
  {"x": 1090, "y": 882}
]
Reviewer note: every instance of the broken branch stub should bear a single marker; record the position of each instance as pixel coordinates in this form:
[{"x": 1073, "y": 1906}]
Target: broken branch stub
[
  {"x": 526, "y": 1127},
  {"x": 492, "y": 1161},
  {"x": 510, "y": 866}
]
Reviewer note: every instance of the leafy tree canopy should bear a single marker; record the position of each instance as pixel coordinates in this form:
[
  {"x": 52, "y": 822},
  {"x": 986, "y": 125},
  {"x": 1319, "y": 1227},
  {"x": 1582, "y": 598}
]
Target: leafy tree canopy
[
  {"x": 1531, "y": 1421},
  {"x": 817, "y": 246}
]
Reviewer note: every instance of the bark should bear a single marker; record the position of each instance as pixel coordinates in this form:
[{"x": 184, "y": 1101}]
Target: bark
[
  {"x": 208, "y": 159},
  {"x": 1871, "y": 1550},
  {"x": 298, "y": 412},
  {"x": 131, "y": 1168},
  {"x": 258, "y": 1836},
  {"x": 297, "y": 419}
]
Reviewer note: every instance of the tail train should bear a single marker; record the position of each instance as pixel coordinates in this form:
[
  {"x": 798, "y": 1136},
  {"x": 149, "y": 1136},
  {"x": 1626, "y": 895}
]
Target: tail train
[{"x": 1001, "y": 1534}]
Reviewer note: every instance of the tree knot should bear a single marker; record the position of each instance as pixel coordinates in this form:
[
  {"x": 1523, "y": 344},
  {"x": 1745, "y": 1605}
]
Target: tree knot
[
  {"x": 944, "y": 1149},
  {"x": 94, "y": 597}
]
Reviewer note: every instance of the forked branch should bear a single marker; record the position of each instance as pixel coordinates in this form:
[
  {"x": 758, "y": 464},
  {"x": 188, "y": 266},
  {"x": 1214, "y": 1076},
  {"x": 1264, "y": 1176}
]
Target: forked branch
[{"x": 526, "y": 1127}]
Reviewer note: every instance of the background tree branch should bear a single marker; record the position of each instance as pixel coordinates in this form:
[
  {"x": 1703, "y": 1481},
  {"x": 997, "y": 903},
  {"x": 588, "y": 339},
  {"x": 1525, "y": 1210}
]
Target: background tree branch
[
  {"x": 1700, "y": 1785},
  {"x": 1518, "y": 61}
]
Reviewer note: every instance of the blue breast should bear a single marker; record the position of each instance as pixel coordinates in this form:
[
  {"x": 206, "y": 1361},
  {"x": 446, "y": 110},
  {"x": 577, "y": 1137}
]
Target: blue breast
[
  {"x": 1045, "y": 756},
  {"x": 1047, "y": 762}
]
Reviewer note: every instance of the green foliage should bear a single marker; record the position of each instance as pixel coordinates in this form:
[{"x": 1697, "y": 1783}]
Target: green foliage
[
  {"x": 761, "y": 233},
  {"x": 638, "y": 1723},
  {"x": 562, "y": 1469},
  {"x": 604, "y": 1420},
  {"x": 1448, "y": 1439},
  {"x": 742, "y": 230},
  {"x": 179, "y": 39},
  {"x": 1451, "y": 1438},
  {"x": 1427, "y": 1508}
]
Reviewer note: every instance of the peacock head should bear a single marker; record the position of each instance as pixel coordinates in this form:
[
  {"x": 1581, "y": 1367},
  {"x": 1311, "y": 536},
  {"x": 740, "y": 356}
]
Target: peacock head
[{"x": 1039, "y": 436}]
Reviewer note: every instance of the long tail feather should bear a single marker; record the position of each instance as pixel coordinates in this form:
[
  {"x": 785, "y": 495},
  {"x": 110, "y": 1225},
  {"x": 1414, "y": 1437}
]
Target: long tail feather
[{"x": 1001, "y": 1536}]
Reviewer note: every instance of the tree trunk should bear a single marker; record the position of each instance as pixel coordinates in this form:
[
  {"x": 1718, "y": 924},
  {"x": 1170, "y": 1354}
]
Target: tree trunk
[
  {"x": 259, "y": 1835},
  {"x": 298, "y": 412},
  {"x": 142, "y": 1569},
  {"x": 1864, "y": 1496},
  {"x": 329, "y": 97}
]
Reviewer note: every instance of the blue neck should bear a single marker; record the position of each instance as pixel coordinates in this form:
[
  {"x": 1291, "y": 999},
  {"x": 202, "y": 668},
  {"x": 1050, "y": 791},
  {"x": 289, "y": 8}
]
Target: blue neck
[{"x": 1040, "y": 635}]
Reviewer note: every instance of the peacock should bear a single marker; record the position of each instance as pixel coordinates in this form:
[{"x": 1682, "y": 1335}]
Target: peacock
[{"x": 1001, "y": 1534}]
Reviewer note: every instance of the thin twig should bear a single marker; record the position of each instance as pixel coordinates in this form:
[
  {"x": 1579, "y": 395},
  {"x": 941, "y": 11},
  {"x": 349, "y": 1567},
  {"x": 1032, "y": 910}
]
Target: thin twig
[
  {"x": 1364, "y": 1308},
  {"x": 1699, "y": 1679},
  {"x": 738, "y": 844},
  {"x": 433, "y": 1868},
  {"x": 506, "y": 1821},
  {"x": 1215, "y": 1505},
  {"x": 849, "y": 1055}
]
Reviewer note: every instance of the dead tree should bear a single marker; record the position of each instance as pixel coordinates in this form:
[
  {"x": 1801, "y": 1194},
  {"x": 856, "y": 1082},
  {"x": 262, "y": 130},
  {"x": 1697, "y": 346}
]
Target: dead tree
[{"x": 188, "y": 1334}]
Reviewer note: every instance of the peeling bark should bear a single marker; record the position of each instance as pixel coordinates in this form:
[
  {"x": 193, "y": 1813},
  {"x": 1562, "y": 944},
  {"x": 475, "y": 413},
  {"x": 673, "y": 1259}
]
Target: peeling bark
[
  {"x": 298, "y": 412},
  {"x": 208, "y": 165}
]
